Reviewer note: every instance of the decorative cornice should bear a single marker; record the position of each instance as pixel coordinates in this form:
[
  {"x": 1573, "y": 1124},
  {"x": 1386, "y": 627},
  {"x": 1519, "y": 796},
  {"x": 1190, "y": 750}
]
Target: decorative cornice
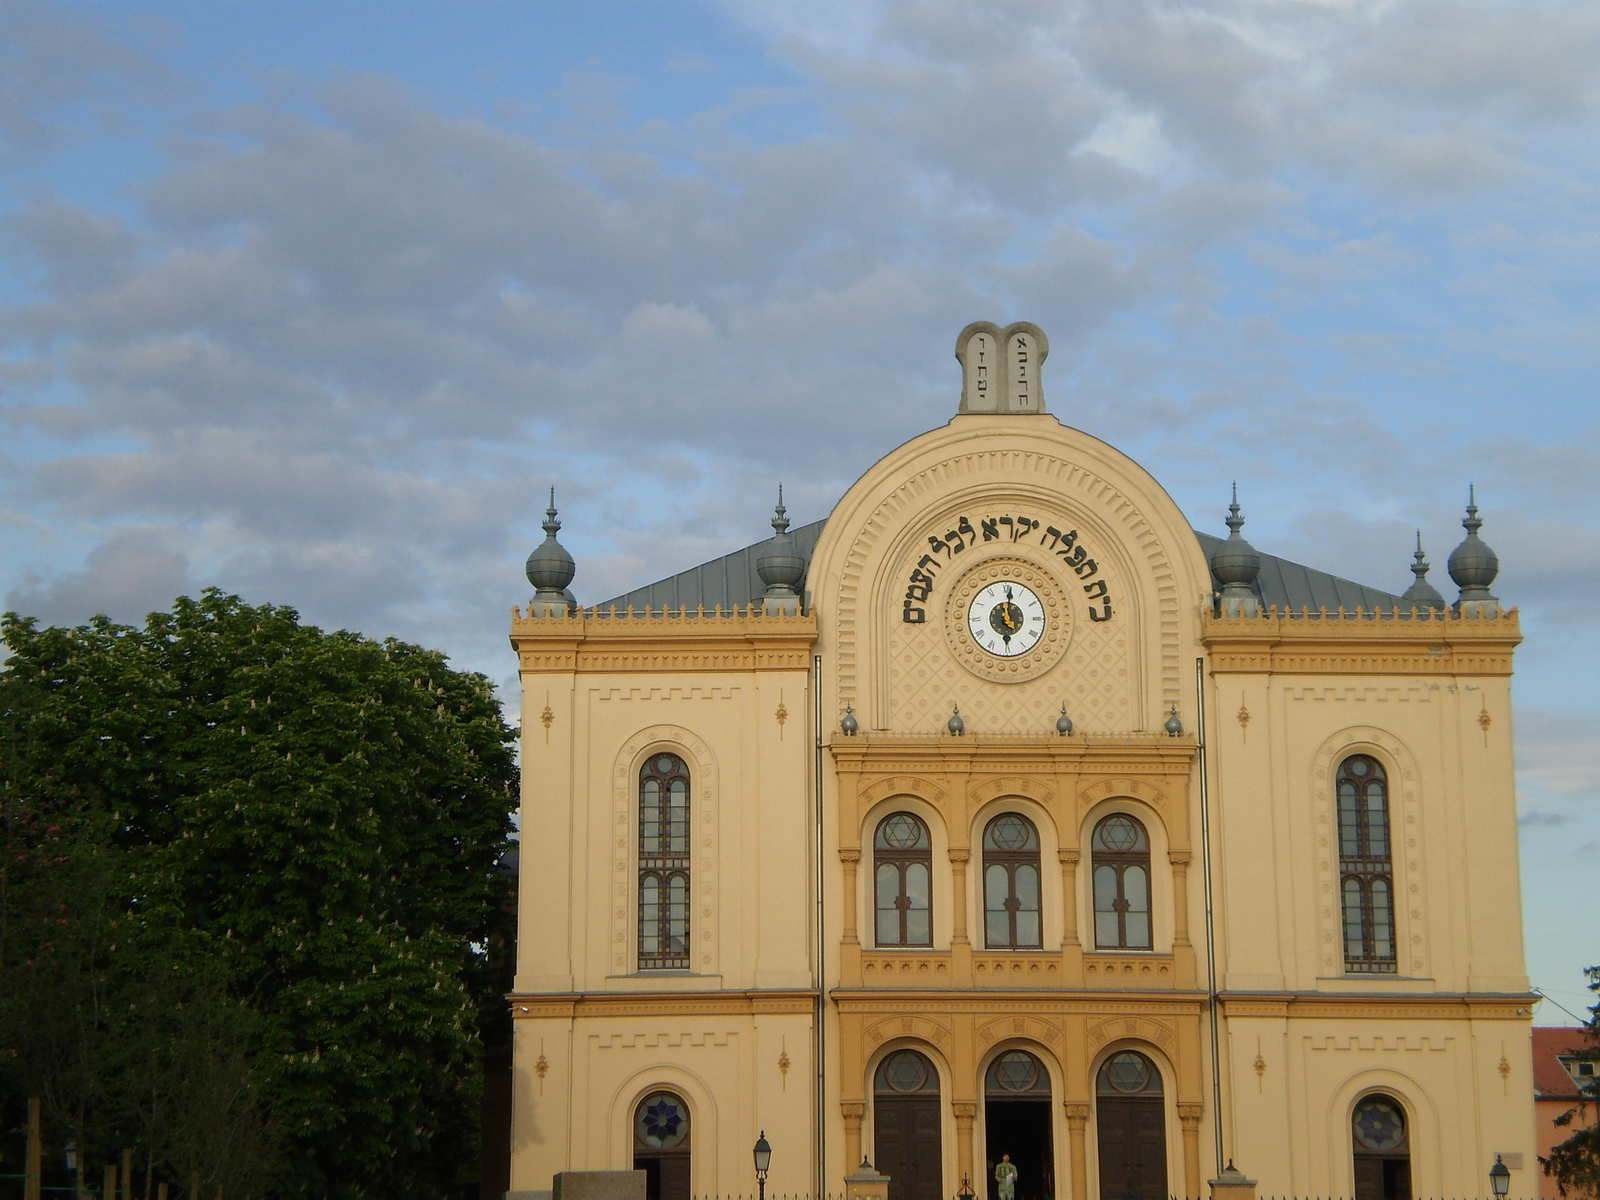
[
  {"x": 742, "y": 640},
  {"x": 1018, "y": 1002},
  {"x": 528, "y": 1006},
  {"x": 1424, "y": 1007},
  {"x": 1360, "y": 643},
  {"x": 1144, "y": 754}
]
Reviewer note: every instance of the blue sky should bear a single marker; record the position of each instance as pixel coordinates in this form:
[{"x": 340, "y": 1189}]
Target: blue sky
[{"x": 313, "y": 302}]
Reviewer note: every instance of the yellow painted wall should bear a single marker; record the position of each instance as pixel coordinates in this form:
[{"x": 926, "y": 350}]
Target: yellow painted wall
[{"x": 1285, "y": 699}]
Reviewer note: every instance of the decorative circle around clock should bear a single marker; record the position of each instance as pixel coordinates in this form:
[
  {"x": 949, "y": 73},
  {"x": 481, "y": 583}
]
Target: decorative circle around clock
[{"x": 1007, "y": 620}]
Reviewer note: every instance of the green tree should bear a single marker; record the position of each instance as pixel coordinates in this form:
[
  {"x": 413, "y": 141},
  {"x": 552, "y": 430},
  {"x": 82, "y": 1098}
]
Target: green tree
[
  {"x": 293, "y": 836},
  {"x": 1575, "y": 1163}
]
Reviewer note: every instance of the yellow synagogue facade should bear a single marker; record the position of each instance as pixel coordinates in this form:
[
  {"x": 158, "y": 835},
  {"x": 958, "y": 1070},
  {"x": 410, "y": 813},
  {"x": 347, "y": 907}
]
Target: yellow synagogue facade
[{"x": 1005, "y": 831}]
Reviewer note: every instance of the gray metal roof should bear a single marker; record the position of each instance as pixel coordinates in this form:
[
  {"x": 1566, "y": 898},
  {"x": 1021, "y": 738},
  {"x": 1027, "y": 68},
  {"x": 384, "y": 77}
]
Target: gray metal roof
[
  {"x": 728, "y": 581},
  {"x": 1290, "y": 585},
  {"x": 732, "y": 580}
]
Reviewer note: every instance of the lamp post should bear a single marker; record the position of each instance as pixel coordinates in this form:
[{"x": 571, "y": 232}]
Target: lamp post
[
  {"x": 966, "y": 1192},
  {"x": 763, "y": 1155},
  {"x": 1499, "y": 1178}
]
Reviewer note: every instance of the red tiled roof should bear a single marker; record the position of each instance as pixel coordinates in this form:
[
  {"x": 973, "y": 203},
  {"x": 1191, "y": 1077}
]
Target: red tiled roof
[{"x": 1550, "y": 1078}]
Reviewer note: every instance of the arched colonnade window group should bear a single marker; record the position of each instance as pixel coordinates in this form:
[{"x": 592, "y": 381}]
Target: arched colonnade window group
[
  {"x": 1012, "y": 882},
  {"x": 1018, "y": 1138}
]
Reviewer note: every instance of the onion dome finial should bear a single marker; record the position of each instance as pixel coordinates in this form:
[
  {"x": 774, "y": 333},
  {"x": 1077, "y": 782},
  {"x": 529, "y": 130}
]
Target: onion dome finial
[
  {"x": 1063, "y": 722},
  {"x": 1236, "y": 563},
  {"x": 1422, "y": 594},
  {"x": 849, "y": 726},
  {"x": 1474, "y": 566},
  {"x": 956, "y": 725},
  {"x": 1174, "y": 725},
  {"x": 550, "y": 569},
  {"x": 780, "y": 565}
]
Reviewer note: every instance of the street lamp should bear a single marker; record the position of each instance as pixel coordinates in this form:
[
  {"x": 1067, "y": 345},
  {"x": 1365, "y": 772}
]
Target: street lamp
[
  {"x": 1499, "y": 1177},
  {"x": 966, "y": 1192},
  {"x": 763, "y": 1153}
]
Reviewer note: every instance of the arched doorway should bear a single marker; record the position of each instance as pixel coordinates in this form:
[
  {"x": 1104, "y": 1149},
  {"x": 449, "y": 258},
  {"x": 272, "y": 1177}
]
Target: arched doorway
[
  {"x": 1016, "y": 1120},
  {"x": 905, "y": 1126},
  {"x": 661, "y": 1145},
  {"x": 1382, "y": 1147},
  {"x": 1131, "y": 1118}
]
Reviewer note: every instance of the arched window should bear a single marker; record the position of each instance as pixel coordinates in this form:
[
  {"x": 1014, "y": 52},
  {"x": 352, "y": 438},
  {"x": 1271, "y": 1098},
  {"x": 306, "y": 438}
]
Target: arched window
[
  {"x": 906, "y": 1119},
  {"x": 1382, "y": 1150},
  {"x": 664, "y": 864},
  {"x": 661, "y": 1146},
  {"x": 1131, "y": 1123},
  {"x": 902, "y": 856},
  {"x": 1010, "y": 883},
  {"x": 1366, "y": 872},
  {"x": 1121, "y": 854}
]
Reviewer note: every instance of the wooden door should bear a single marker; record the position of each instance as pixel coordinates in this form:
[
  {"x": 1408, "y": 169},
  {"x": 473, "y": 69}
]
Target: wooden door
[
  {"x": 1133, "y": 1148},
  {"x": 908, "y": 1148}
]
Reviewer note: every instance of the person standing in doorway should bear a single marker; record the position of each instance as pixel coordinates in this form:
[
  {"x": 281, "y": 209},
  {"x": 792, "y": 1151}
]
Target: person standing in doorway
[{"x": 1005, "y": 1174}]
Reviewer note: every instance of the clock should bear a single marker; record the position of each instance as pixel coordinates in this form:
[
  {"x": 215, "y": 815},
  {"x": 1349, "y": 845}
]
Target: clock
[{"x": 1006, "y": 618}]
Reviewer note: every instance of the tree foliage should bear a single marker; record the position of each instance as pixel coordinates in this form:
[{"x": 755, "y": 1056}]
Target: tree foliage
[
  {"x": 1575, "y": 1163},
  {"x": 250, "y": 870}
]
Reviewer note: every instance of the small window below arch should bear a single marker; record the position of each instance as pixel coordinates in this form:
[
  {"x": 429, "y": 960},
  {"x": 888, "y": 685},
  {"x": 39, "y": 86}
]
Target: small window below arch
[
  {"x": 1011, "y": 883},
  {"x": 1120, "y": 851},
  {"x": 661, "y": 1146},
  {"x": 902, "y": 855},
  {"x": 1382, "y": 1148},
  {"x": 1366, "y": 870}
]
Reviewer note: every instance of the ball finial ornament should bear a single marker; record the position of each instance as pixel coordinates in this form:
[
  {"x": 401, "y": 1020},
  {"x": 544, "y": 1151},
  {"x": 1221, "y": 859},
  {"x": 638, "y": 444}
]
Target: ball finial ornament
[
  {"x": 956, "y": 725},
  {"x": 780, "y": 565},
  {"x": 550, "y": 568},
  {"x": 1473, "y": 565},
  {"x": 1422, "y": 594},
  {"x": 1063, "y": 722},
  {"x": 1236, "y": 563}
]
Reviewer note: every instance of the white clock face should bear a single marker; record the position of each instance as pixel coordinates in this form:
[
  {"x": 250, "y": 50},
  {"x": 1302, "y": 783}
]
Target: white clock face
[{"x": 1006, "y": 618}]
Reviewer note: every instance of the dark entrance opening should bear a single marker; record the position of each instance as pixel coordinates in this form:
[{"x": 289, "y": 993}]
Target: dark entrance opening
[
  {"x": 1382, "y": 1150},
  {"x": 1131, "y": 1120},
  {"x": 905, "y": 1125},
  {"x": 1016, "y": 1119},
  {"x": 661, "y": 1146}
]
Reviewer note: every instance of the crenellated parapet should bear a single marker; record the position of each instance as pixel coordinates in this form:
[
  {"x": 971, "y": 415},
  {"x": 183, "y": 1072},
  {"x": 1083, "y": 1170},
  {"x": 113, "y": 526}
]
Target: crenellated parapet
[
  {"x": 741, "y": 638},
  {"x": 1415, "y": 641}
]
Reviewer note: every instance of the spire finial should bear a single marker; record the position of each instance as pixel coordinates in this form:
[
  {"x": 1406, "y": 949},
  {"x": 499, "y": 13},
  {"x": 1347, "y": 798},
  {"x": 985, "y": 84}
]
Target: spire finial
[
  {"x": 780, "y": 518},
  {"x": 551, "y": 525},
  {"x": 1472, "y": 522},
  {"x": 1235, "y": 522}
]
